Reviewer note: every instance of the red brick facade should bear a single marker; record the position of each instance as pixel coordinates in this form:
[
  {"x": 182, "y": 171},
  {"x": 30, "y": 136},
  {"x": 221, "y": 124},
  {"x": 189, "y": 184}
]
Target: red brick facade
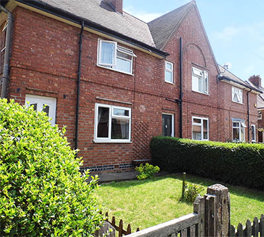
[{"x": 44, "y": 62}]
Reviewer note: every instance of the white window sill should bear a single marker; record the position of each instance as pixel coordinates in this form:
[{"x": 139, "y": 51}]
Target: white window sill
[
  {"x": 112, "y": 141},
  {"x": 238, "y": 102},
  {"x": 172, "y": 83},
  {"x": 200, "y": 92},
  {"x": 127, "y": 73}
]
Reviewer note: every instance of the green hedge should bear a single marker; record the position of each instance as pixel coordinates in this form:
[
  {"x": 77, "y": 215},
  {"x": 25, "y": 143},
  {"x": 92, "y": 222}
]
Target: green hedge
[{"x": 238, "y": 164}]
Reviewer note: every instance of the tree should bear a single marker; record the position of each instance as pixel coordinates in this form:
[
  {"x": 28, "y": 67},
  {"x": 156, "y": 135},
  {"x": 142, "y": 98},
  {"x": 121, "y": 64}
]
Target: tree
[{"x": 42, "y": 192}]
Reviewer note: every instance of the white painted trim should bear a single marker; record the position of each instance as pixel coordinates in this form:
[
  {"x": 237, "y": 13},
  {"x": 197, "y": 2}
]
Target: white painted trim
[
  {"x": 111, "y": 115},
  {"x": 201, "y": 125}
]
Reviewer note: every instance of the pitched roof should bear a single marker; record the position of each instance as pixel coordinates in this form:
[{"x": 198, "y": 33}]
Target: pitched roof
[
  {"x": 229, "y": 76},
  {"x": 101, "y": 13},
  {"x": 163, "y": 27}
]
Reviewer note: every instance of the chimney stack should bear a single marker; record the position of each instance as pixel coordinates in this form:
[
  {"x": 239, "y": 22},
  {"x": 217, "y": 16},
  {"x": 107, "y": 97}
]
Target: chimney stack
[
  {"x": 255, "y": 80},
  {"x": 117, "y": 5}
]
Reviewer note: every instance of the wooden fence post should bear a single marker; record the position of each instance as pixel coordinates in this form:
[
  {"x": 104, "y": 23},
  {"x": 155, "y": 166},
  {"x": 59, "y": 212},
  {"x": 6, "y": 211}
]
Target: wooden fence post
[{"x": 217, "y": 211}]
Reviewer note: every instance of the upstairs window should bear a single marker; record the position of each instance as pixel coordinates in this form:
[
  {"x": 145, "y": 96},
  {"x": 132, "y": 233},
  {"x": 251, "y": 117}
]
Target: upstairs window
[
  {"x": 200, "y": 128},
  {"x": 112, "y": 123},
  {"x": 199, "y": 80},
  {"x": 113, "y": 56},
  {"x": 238, "y": 126},
  {"x": 237, "y": 95},
  {"x": 168, "y": 72}
]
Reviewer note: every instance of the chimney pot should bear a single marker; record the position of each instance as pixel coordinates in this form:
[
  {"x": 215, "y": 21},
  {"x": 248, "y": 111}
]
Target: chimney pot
[{"x": 116, "y": 4}]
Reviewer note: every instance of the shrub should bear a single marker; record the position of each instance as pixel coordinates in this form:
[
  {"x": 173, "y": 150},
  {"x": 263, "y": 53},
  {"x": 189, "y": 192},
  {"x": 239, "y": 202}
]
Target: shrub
[
  {"x": 191, "y": 192},
  {"x": 146, "y": 171},
  {"x": 41, "y": 190},
  {"x": 238, "y": 164}
]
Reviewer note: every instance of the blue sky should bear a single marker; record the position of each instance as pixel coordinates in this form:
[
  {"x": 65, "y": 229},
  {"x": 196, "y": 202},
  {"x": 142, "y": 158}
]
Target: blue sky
[{"x": 235, "y": 29}]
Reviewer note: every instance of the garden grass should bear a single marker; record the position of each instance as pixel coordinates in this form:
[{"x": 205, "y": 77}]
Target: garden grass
[{"x": 150, "y": 202}]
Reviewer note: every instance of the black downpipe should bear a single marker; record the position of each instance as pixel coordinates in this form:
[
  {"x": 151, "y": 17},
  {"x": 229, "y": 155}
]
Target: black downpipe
[
  {"x": 248, "y": 114},
  {"x": 181, "y": 94},
  {"x": 78, "y": 88}
]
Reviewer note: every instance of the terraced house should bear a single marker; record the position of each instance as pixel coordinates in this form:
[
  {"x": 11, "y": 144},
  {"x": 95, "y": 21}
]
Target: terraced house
[{"x": 115, "y": 81}]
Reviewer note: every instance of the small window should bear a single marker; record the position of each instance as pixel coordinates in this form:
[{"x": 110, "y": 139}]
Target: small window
[
  {"x": 237, "y": 95},
  {"x": 42, "y": 103},
  {"x": 199, "y": 80},
  {"x": 238, "y": 127},
  {"x": 113, "y": 56},
  {"x": 200, "y": 128},
  {"x": 112, "y": 123},
  {"x": 168, "y": 72},
  {"x": 253, "y": 133},
  {"x": 168, "y": 125},
  {"x": 260, "y": 115}
]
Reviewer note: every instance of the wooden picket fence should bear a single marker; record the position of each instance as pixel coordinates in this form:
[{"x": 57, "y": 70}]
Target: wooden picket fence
[
  {"x": 120, "y": 227},
  {"x": 256, "y": 228}
]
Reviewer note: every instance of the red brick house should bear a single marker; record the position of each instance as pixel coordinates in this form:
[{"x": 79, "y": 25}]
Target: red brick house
[{"x": 115, "y": 81}]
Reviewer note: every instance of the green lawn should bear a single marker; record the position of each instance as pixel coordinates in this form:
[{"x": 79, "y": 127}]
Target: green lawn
[{"x": 150, "y": 202}]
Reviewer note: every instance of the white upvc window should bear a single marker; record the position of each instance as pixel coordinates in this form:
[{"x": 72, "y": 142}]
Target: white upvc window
[
  {"x": 238, "y": 127},
  {"x": 115, "y": 57},
  {"x": 43, "y": 103},
  {"x": 237, "y": 95},
  {"x": 200, "y": 128},
  {"x": 199, "y": 80},
  {"x": 112, "y": 123},
  {"x": 260, "y": 115},
  {"x": 253, "y": 133},
  {"x": 168, "y": 72},
  {"x": 168, "y": 125}
]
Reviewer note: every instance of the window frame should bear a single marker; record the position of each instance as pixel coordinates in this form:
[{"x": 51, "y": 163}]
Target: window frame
[
  {"x": 172, "y": 124},
  {"x": 170, "y": 71},
  {"x": 204, "y": 75},
  {"x": 259, "y": 114},
  {"x": 253, "y": 133},
  {"x": 233, "y": 93},
  {"x": 241, "y": 122},
  {"x": 202, "y": 128},
  {"x": 50, "y": 101},
  {"x": 117, "y": 48},
  {"x": 111, "y": 116}
]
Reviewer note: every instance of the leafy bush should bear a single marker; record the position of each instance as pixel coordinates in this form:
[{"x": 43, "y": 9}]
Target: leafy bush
[
  {"x": 238, "y": 164},
  {"x": 146, "y": 171},
  {"x": 41, "y": 190},
  {"x": 192, "y": 191}
]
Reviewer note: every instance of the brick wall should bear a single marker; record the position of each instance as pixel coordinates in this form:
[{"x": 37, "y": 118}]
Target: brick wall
[{"x": 44, "y": 62}]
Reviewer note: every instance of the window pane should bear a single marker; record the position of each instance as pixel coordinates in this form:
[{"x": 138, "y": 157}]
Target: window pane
[
  {"x": 166, "y": 125},
  {"x": 103, "y": 122},
  {"x": 197, "y": 132},
  {"x": 196, "y": 120},
  {"x": 195, "y": 83},
  {"x": 253, "y": 133},
  {"x": 123, "y": 55},
  {"x": 107, "y": 53},
  {"x": 168, "y": 76},
  {"x": 169, "y": 66},
  {"x": 123, "y": 65},
  {"x": 46, "y": 109},
  {"x": 236, "y": 134},
  {"x": 120, "y": 129},
  {"x": 35, "y": 106},
  {"x": 242, "y": 138},
  {"x": 121, "y": 112}
]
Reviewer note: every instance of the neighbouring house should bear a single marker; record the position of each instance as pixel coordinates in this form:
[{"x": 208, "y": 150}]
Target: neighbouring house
[
  {"x": 256, "y": 81},
  {"x": 115, "y": 81}
]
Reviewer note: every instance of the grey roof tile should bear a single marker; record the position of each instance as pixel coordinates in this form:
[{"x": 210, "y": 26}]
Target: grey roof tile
[
  {"x": 163, "y": 27},
  {"x": 102, "y": 14}
]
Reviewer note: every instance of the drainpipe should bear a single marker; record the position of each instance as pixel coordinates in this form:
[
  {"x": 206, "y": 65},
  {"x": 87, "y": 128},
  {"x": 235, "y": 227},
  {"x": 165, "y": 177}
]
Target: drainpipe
[
  {"x": 5, "y": 77},
  {"x": 181, "y": 94},
  {"x": 78, "y": 87},
  {"x": 248, "y": 113}
]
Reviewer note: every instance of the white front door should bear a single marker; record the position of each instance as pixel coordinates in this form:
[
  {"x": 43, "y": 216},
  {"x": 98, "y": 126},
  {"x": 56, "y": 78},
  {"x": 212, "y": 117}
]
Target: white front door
[{"x": 43, "y": 103}]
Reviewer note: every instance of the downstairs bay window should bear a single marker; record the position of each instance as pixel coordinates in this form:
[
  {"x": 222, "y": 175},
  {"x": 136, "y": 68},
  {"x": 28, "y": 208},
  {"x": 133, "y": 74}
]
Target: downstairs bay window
[
  {"x": 200, "y": 128},
  {"x": 112, "y": 123},
  {"x": 115, "y": 57}
]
